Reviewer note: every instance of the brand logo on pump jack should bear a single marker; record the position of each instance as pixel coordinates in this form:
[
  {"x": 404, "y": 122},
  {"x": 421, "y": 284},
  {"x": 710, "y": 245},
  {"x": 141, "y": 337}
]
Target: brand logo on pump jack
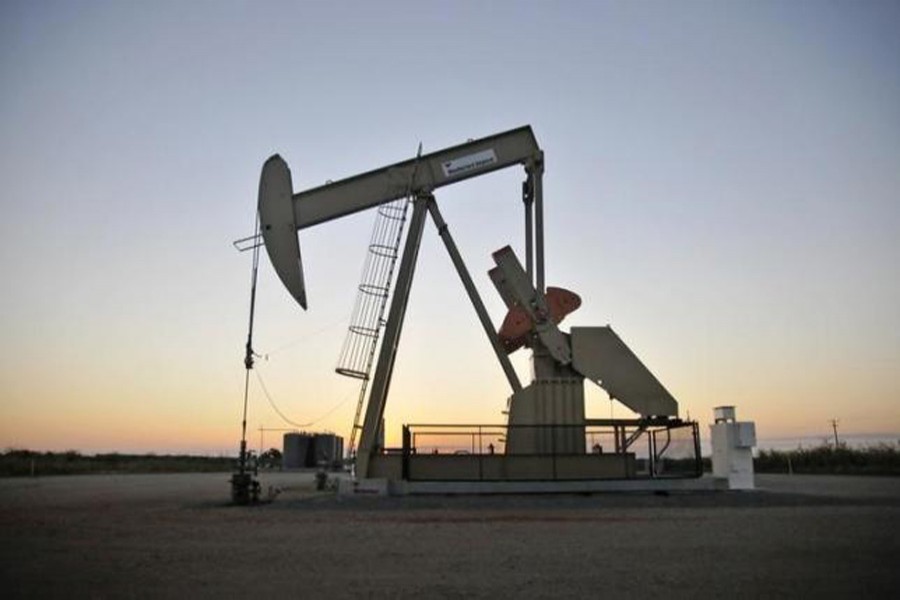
[{"x": 465, "y": 164}]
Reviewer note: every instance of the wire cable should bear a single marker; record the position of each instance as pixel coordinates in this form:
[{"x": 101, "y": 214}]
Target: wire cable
[
  {"x": 248, "y": 356},
  {"x": 274, "y": 406},
  {"x": 304, "y": 337}
]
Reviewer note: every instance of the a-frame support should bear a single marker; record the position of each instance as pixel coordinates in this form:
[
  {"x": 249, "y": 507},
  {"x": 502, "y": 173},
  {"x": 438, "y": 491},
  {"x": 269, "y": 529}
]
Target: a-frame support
[
  {"x": 384, "y": 369},
  {"x": 368, "y": 445}
]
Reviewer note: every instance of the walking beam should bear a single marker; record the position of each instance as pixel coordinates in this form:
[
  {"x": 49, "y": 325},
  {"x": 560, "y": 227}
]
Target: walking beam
[
  {"x": 413, "y": 177},
  {"x": 282, "y": 213}
]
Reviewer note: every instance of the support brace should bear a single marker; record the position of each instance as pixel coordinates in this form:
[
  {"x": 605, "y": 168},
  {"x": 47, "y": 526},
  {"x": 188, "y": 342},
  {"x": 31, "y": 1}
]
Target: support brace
[
  {"x": 535, "y": 171},
  {"x": 483, "y": 316},
  {"x": 528, "y": 201}
]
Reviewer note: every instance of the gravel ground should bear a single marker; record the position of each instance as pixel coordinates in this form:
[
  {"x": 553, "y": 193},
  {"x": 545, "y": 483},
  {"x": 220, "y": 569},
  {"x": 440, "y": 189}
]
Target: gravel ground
[{"x": 148, "y": 536}]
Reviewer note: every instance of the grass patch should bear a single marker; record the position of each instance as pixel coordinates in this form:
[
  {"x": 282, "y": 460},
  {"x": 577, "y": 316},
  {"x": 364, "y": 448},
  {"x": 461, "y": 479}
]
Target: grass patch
[
  {"x": 19, "y": 463},
  {"x": 879, "y": 459}
]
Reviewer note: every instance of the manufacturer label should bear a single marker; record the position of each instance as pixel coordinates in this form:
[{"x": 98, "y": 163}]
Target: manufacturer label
[{"x": 465, "y": 164}]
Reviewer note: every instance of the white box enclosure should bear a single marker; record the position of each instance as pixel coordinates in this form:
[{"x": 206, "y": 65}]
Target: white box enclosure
[{"x": 732, "y": 447}]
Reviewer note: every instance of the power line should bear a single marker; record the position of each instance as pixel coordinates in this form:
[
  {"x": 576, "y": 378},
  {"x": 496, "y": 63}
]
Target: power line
[
  {"x": 274, "y": 406},
  {"x": 285, "y": 418},
  {"x": 304, "y": 337},
  {"x": 834, "y": 424}
]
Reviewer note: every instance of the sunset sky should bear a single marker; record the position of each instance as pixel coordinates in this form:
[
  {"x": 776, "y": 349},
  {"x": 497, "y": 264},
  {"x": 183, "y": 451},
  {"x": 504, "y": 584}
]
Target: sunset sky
[{"x": 722, "y": 187}]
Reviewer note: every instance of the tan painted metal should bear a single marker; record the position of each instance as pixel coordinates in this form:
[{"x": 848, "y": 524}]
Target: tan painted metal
[
  {"x": 416, "y": 176},
  {"x": 547, "y": 402},
  {"x": 283, "y": 212},
  {"x": 554, "y": 402},
  {"x": 276, "y": 223},
  {"x": 601, "y": 356},
  {"x": 513, "y": 284}
]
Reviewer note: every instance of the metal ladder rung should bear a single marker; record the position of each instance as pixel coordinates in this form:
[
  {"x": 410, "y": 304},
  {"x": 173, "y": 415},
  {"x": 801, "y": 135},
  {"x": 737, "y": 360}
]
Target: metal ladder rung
[
  {"x": 383, "y": 250},
  {"x": 390, "y": 211},
  {"x": 352, "y": 373},
  {"x": 364, "y": 331},
  {"x": 358, "y": 353},
  {"x": 373, "y": 290}
]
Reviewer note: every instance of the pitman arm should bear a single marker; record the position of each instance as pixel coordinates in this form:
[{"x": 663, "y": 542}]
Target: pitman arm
[
  {"x": 597, "y": 353},
  {"x": 512, "y": 283}
]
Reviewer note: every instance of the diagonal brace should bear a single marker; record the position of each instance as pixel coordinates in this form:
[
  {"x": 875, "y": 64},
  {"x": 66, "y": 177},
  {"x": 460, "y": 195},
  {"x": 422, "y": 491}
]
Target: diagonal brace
[{"x": 483, "y": 316}]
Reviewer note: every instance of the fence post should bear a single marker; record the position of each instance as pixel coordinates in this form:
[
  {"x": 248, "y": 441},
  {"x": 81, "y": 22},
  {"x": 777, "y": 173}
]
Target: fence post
[
  {"x": 405, "y": 456},
  {"x": 553, "y": 449},
  {"x": 698, "y": 456},
  {"x": 480, "y": 457}
]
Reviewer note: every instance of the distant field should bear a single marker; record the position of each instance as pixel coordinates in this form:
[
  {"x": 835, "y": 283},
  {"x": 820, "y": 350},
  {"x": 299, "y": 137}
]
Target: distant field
[
  {"x": 877, "y": 459},
  {"x": 15, "y": 463},
  {"x": 150, "y": 536}
]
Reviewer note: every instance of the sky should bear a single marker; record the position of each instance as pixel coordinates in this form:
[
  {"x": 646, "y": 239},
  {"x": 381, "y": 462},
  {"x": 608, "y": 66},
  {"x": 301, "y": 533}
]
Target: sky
[{"x": 722, "y": 186}]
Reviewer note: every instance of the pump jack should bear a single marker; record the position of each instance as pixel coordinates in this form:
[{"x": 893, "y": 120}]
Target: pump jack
[{"x": 544, "y": 416}]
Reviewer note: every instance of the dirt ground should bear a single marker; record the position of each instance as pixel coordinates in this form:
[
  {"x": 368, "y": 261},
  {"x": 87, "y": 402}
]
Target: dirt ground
[{"x": 149, "y": 536}]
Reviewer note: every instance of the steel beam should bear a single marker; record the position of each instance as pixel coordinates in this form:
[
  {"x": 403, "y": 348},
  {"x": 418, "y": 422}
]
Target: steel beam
[
  {"x": 514, "y": 282},
  {"x": 528, "y": 201},
  {"x": 391, "y": 340},
  {"x": 536, "y": 171},
  {"x": 474, "y": 297},
  {"x": 420, "y": 175}
]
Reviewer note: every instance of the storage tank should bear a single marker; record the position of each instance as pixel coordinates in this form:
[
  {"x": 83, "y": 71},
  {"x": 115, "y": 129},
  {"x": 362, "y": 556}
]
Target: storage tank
[
  {"x": 329, "y": 449},
  {"x": 296, "y": 450}
]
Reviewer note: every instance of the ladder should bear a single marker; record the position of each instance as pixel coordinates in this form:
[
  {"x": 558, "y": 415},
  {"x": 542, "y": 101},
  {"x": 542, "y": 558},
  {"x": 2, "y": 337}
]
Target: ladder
[{"x": 358, "y": 352}]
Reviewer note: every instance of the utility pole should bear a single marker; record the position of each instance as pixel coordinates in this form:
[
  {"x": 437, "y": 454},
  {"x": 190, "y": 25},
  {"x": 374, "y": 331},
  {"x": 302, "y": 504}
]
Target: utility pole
[{"x": 834, "y": 423}]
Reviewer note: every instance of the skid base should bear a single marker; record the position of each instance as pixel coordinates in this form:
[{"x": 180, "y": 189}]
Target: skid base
[{"x": 383, "y": 487}]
